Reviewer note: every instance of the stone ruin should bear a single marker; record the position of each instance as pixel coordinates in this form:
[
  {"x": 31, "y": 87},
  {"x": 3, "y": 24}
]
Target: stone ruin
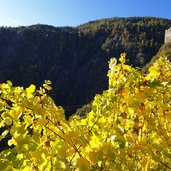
[{"x": 167, "y": 38}]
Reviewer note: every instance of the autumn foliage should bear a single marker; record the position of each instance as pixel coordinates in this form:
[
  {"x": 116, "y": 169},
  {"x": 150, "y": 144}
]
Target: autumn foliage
[{"x": 128, "y": 128}]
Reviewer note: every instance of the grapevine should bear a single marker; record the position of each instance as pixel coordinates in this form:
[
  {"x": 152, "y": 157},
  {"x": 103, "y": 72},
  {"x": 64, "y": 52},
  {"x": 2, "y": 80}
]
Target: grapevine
[{"x": 128, "y": 127}]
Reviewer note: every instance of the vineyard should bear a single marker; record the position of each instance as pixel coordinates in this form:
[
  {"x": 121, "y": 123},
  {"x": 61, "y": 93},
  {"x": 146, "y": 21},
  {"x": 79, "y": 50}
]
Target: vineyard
[{"x": 128, "y": 127}]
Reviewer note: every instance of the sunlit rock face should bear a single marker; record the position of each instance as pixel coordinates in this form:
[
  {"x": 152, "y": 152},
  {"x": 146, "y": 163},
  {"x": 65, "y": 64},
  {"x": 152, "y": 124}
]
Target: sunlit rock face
[{"x": 168, "y": 36}]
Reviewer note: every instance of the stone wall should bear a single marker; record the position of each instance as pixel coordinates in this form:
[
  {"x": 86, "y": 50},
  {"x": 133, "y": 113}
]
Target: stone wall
[{"x": 167, "y": 36}]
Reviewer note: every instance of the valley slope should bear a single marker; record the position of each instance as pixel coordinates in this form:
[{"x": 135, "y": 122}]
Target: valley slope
[{"x": 76, "y": 59}]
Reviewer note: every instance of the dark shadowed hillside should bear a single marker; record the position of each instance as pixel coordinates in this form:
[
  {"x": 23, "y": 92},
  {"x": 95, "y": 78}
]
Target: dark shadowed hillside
[{"x": 76, "y": 59}]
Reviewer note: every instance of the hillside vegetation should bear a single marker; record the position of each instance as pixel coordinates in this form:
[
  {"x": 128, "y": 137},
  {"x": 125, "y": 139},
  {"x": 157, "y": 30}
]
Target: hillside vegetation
[
  {"x": 76, "y": 59},
  {"x": 165, "y": 50}
]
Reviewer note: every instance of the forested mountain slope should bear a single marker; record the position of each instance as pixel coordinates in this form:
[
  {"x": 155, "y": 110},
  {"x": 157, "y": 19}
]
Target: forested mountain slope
[{"x": 76, "y": 59}]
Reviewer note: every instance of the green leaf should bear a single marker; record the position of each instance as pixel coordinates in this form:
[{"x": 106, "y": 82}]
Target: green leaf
[{"x": 155, "y": 83}]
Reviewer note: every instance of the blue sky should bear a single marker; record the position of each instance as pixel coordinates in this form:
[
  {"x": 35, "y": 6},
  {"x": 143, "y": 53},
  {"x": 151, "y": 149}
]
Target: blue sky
[{"x": 76, "y": 12}]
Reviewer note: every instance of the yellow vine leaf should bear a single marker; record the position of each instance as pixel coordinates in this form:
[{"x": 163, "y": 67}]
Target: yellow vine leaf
[
  {"x": 122, "y": 58},
  {"x": 47, "y": 87},
  {"x": 30, "y": 90},
  {"x": 93, "y": 156},
  {"x": 83, "y": 164}
]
